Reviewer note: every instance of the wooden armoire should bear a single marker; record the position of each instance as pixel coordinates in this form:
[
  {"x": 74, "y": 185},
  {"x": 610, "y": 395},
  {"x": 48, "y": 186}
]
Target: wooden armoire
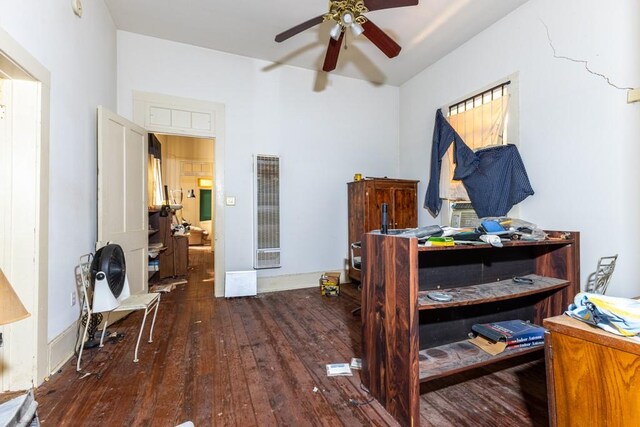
[{"x": 365, "y": 207}]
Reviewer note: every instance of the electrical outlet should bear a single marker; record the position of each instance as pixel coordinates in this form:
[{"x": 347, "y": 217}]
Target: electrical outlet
[{"x": 73, "y": 299}]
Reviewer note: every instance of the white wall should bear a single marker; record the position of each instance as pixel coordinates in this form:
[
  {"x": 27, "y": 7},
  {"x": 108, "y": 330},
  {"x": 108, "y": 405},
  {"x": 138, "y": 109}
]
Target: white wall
[
  {"x": 323, "y": 138},
  {"x": 579, "y": 139},
  {"x": 81, "y": 57}
]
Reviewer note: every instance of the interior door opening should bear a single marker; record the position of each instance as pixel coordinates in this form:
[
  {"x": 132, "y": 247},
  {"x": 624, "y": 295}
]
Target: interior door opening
[
  {"x": 187, "y": 186},
  {"x": 24, "y": 190}
]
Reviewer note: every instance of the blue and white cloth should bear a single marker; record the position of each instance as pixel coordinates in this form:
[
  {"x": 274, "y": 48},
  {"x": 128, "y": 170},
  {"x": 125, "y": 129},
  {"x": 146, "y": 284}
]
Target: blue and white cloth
[
  {"x": 498, "y": 182},
  {"x": 494, "y": 177},
  {"x": 443, "y": 136},
  {"x": 620, "y": 316}
]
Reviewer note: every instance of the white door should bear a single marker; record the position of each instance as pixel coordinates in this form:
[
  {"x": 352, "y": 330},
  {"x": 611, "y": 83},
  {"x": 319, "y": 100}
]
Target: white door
[{"x": 122, "y": 192}]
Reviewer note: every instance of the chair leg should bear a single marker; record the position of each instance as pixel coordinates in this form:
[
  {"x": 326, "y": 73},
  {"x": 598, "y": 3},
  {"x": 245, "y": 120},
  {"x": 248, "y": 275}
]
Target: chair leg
[
  {"x": 104, "y": 329},
  {"x": 84, "y": 338},
  {"x": 144, "y": 319},
  {"x": 153, "y": 322}
]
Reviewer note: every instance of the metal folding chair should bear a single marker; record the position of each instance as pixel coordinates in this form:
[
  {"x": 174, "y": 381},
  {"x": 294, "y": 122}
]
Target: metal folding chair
[
  {"x": 356, "y": 264},
  {"x": 598, "y": 281},
  {"x": 147, "y": 302}
]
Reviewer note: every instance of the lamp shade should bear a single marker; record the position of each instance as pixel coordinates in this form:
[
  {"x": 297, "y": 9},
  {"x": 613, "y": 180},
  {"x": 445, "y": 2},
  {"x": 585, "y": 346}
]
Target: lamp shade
[{"x": 11, "y": 308}]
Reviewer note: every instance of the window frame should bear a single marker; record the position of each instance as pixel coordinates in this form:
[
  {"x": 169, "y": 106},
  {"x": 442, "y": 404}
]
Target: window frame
[{"x": 512, "y": 128}]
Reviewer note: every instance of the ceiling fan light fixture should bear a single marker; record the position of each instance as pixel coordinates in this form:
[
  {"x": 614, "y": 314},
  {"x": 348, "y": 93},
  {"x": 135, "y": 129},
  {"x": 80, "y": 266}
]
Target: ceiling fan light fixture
[
  {"x": 346, "y": 18},
  {"x": 351, "y": 13},
  {"x": 356, "y": 29},
  {"x": 335, "y": 32}
]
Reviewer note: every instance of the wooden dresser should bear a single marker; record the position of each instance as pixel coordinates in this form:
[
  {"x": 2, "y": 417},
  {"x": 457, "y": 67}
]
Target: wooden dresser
[
  {"x": 365, "y": 207},
  {"x": 593, "y": 376}
]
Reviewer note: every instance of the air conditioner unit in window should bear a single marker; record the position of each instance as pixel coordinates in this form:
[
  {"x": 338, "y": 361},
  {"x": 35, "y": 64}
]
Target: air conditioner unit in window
[{"x": 463, "y": 215}]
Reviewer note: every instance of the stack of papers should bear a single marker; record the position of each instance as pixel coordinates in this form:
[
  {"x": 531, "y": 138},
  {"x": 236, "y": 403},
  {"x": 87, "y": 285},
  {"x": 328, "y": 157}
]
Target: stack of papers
[{"x": 338, "y": 369}]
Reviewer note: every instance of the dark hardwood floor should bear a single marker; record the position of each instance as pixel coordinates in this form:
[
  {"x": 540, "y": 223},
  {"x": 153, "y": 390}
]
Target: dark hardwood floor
[{"x": 261, "y": 362}]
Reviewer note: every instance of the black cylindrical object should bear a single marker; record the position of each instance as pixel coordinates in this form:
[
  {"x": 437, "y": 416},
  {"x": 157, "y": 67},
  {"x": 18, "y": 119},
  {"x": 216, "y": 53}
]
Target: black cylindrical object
[{"x": 384, "y": 227}]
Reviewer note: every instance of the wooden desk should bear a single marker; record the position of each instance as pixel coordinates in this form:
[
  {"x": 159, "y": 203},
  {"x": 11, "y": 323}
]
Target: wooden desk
[{"x": 593, "y": 376}]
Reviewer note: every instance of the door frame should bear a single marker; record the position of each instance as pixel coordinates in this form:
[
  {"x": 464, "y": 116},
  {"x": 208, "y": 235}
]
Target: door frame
[
  {"x": 27, "y": 340},
  {"x": 142, "y": 103}
]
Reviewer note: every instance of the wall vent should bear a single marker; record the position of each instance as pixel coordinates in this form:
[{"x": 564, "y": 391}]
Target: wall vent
[{"x": 267, "y": 211}]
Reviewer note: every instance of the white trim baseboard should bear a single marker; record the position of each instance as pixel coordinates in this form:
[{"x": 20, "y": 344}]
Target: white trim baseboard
[
  {"x": 61, "y": 348},
  {"x": 294, "y": 281}
]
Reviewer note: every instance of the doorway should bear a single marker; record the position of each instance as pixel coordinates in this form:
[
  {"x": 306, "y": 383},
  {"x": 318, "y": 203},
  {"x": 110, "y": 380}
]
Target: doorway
[
  {"x": 24, "y": 168},
  {"x": 186, "y": 117},
  {"x": 188, "y": 172}
]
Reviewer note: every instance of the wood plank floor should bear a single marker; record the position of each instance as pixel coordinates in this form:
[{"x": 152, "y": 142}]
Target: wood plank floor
[{"x": 261, "y": 362}]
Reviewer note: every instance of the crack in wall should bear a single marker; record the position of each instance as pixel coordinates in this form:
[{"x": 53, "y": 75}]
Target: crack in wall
[{"x": 581, "y": 61}]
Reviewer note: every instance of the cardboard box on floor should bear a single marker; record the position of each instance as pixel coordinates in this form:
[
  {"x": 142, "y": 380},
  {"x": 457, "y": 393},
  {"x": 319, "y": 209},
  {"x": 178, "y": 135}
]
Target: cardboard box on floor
[{"x": 330, "y": 283}]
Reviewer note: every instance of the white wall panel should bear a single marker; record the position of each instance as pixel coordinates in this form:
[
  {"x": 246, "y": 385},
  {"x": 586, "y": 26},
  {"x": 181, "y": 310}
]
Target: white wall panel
[
  {"x": 80, "y": 54},
  {"x": 323, "y": 138},
  {"x": 578, "y": 136}
]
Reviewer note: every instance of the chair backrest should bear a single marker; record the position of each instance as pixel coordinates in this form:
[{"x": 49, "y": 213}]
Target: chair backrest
[
  {"x": 356, "y": 261},
  {"x": 83, "y": 281},
  {"x": 598, "y": 281}
]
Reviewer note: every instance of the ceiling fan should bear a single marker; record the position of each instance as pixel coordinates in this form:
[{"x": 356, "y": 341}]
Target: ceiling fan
[{"x": 350, "y": 14}]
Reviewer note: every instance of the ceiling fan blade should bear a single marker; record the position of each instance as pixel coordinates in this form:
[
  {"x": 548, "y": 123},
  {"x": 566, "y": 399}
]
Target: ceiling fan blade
[
  {"x": 388, "y": 4},
  {"x": 299, "y": 28},
  {"x": 381, "y": 39},
  {"x": 333, "y": 50}
]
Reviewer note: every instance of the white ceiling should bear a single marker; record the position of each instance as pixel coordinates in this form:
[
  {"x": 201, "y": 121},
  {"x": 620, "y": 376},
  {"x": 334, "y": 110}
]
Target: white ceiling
[{"x": 426, "y": 32}]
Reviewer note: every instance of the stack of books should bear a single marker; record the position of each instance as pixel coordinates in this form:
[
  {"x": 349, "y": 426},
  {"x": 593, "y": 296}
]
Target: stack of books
[
  {"x": 497, "y": 337},
  {"x": 440, "y": 241}
]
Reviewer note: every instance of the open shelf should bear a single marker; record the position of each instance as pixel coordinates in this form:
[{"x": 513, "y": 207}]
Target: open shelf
[
  {"x": 506, "y": 244},
  {"x": 408, "y": 339},
  {"x": 459, "y": 356},
  {"x": 491, "y": 292}
]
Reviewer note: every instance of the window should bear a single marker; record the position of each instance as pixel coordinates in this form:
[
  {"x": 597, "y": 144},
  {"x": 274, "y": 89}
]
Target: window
[{"x": 481, "y": 120}]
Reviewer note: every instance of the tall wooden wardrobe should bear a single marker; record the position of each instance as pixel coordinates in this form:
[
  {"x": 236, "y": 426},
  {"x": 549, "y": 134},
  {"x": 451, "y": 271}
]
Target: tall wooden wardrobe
[{"x": 365, "y": 207}]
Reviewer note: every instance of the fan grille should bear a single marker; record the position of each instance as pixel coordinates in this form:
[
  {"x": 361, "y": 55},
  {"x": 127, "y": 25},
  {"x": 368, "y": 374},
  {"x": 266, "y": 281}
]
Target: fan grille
[{"x": 110, "y": 260}]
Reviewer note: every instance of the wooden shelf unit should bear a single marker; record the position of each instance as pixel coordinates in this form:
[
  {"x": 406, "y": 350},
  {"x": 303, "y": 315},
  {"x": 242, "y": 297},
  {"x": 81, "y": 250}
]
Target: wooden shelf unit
[
  {"x": 174, "y": 255},
  {"x": 408, "y": 338}
]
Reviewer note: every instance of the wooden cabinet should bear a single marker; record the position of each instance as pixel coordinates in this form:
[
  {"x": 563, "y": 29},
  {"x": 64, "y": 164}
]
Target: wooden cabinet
[
  {"x": 159, "y": 232},
  {"x": 408, "y": 339},
  {"x": 173, "y": 259},
  {"x": 365, "y": 199},
  {"x": 592, "y": 375}
]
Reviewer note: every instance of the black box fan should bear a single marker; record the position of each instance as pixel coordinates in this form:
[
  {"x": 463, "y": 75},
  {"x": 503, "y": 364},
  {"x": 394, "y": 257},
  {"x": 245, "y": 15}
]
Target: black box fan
[{"x": 108, "y": 278}]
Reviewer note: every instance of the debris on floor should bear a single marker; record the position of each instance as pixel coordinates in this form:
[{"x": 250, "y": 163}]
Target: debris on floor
[
  {"x": 356, "y": 363},
  {"x": 338, "y": 369}
]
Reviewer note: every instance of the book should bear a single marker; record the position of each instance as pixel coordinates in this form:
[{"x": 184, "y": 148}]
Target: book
[
  {"x": 511, "y": 332},
  {"x": 525, "y": 344},
  {"x": 494, "y": 348},
  {"x": 440, "y": 241}
]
